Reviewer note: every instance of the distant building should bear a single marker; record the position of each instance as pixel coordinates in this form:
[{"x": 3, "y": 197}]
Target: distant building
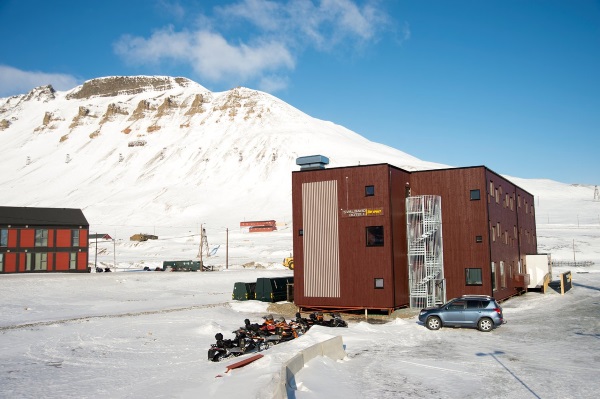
[
  {"x": 100, "y": 236},
  {"x": 43, "y": 240},
  {"x": 380, "y": 237},
  {"x": 255, "y": 226},
  {"x": 143, "y": 237}
]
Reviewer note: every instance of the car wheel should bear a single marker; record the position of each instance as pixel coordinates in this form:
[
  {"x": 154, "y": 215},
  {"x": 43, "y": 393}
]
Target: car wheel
[
  {"x": 485, "y": 325},
  {"x": 433, "y": 323}
]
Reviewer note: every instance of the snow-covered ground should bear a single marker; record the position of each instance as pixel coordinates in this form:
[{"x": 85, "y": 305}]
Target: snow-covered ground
[{"x": 136, "y": 334}]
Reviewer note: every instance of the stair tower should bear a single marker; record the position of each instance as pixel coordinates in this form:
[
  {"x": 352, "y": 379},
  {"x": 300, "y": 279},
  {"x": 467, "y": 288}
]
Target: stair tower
[{"x": 427, "y": 286}]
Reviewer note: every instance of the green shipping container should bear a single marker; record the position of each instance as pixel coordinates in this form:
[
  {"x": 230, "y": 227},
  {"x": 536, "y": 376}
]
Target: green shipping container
[
  {"x": 272, "y": 289},
  {"x": 243, "y": 291}
]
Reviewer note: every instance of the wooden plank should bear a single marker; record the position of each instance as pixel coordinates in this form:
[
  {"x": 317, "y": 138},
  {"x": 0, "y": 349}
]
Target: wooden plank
[{"x": 244, "y": 362}]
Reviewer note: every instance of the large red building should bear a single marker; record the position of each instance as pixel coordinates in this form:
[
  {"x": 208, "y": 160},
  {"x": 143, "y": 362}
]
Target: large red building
[
  {"x": 380, "y": 237},
  {"x": 43, "y": 240}
]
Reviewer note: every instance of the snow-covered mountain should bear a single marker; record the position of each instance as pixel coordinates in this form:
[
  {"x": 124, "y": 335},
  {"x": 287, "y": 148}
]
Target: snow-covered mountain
[
  {"x": 137, "y": 152},
  {"x": 162, "y": 150}
]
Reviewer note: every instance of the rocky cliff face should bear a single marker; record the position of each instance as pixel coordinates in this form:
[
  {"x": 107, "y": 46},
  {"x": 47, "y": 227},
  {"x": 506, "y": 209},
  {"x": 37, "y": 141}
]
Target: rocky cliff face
[{"x": 118, "y": 85}]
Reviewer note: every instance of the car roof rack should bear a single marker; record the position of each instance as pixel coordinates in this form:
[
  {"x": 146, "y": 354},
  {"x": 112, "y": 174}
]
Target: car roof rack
[{"x": 476, "y": 296}]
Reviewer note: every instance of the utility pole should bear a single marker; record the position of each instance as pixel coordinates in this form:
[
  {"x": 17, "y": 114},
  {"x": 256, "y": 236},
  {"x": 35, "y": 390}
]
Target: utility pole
[
  {"x": 96, "y": 256},
  {"x": 200, "y": 249},
  {"x": 227, "y": 248},
  {"x": 203, "y": 244}
]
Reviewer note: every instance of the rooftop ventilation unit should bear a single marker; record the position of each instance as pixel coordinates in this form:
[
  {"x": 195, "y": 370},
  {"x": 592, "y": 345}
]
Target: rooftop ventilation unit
[{"x": 312, "y": 162}]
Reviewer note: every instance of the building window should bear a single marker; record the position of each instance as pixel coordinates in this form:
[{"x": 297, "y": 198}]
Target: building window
[
  {"x": 41, "y": 261},
  {"x": 1, "y": 262},
  {"x": 379, "y": 283},
  {"x": 74, "y": 238},
  {"x": 301, "y": 232},
  {"x": 28, "y": 261},
  {"x": 502, "y": 275},
  {"x": 493, "y": 276},
  {"x": 473, "y": 276},
  {"x": 73, "y": 260},
  {"x": 41, "y": 238},
  {"x": 479, "y": 239},
  {"x": 475, "y": 195},
  {"x": 369, "y": 191},
  {"x": 3, "y": 238},
  {"x": 374, "y": 236}
]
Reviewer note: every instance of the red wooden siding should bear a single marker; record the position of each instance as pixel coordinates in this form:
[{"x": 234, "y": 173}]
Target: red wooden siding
[
  {"x": 83, "y": 238},
  {"x": 27, "y": 238},
  {"x": 258, "y": 223},
  {"x": 63, "y": 238},
  {"x": 12, "y": 237},
  {"x": 82, "y": 261},
  {"x": 257, "y": 229},
  {"x": 62, "y": 261},
  {"x": 359, "y": 265},
  {"x": 10, "y": 262},
  {"x": 493, "y": 228}
]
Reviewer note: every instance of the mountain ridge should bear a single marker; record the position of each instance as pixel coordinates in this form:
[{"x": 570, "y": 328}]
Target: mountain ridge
[
  {"x": 134, "y": 149},
  {"x": 159, "y": 150}
]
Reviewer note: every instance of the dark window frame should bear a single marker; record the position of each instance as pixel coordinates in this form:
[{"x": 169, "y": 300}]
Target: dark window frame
[
  {"x": 471, "y": 276},
  {"x": 374, "y": 236},
  {"x": 378, "y": 283},
  {"x": 75, "y": 234},
  {"x": 3, "y": 237},
  {"x": 478, "y": 239},
  {"x": 369, "y": 191},
  {"x": 41, "y": 237},
  {"x": 475, "y": 195}
]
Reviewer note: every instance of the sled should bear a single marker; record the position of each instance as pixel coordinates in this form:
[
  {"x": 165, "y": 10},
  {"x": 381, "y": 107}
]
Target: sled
[{"x": 243, "y": 363}]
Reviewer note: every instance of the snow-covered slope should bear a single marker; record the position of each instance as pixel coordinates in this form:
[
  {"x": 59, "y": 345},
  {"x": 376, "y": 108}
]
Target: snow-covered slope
[
  {"x": 145, "y": 152},
  {"x": 162, "y": 150}
]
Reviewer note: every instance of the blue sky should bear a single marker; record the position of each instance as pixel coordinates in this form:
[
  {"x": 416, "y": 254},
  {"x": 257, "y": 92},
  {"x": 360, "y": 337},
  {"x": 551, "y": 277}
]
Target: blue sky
[{"x": 510, "y": 84}]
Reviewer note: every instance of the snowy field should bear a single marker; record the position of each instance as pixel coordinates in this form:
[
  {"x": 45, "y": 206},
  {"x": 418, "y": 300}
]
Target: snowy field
[
  {"x": 136, "y": 334},
  {"x": 142, "y": 334}
]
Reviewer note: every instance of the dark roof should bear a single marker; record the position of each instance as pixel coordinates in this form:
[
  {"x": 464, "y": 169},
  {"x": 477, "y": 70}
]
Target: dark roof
[
  {"x": 20, "y": 216},
  {"x": 100, "y": 235}
]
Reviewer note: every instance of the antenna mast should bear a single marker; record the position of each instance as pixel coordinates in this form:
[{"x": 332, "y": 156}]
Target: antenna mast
[{"x": 203, "y": 244}]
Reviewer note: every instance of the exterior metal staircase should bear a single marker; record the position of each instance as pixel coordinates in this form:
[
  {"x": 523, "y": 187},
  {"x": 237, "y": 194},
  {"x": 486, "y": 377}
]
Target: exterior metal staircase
[{"x": 427, "y": 286}]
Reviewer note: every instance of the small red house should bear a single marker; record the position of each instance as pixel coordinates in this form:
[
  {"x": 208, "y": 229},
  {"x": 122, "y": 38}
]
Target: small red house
[{"x": 43, "y": 240}]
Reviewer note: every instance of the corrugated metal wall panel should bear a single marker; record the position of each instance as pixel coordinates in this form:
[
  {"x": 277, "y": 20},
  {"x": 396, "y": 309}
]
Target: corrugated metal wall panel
[{"x": 321, "y": 241}]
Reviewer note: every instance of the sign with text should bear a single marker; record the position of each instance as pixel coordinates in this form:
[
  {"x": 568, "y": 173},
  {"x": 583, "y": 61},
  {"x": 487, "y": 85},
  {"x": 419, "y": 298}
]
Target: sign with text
[{"x": 353, "y": 213}]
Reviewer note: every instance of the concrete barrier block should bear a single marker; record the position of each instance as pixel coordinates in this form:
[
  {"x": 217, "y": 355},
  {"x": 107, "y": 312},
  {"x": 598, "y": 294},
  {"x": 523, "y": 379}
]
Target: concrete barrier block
[
  {"x": 311, "y": 352},
  {"x": 334, "y": 348},
  {"x": 293, "y": 365}
]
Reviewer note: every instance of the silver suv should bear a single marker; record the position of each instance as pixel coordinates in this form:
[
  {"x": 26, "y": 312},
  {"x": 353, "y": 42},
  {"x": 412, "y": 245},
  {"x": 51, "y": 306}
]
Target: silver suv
[{"x": 479, "y": 311}]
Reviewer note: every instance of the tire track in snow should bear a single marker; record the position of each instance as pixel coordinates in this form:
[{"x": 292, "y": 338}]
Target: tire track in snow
[{"x": 110, "y": 316}]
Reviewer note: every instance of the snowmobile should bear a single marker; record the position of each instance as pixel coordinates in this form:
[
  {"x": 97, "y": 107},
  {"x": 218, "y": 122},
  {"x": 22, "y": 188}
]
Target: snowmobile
[
  {"x": 241, "y": 344},
  {"x": 335, "y": 321}
]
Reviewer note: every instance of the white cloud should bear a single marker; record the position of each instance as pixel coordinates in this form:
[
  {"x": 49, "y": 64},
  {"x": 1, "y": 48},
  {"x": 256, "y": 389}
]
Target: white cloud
[
  {"x": 208, "y": 53},
  {"x": 15, "y": 81},
  {"x": 322, "y": 25},
  {"x": 274, "y": 35}
]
